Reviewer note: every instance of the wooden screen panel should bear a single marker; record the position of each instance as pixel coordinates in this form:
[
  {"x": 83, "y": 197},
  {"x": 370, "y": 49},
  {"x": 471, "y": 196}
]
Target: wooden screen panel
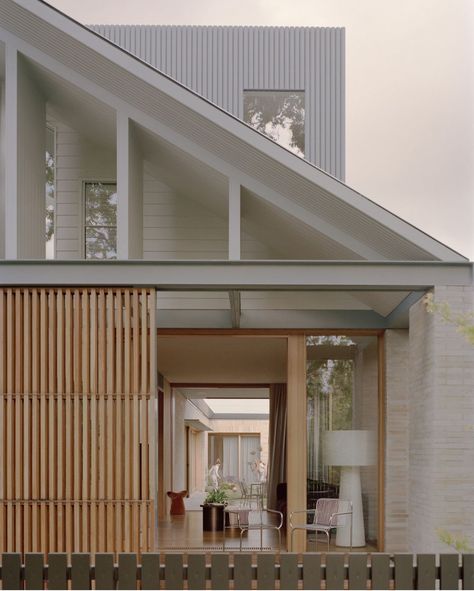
[{"x": 77, "y": 388}]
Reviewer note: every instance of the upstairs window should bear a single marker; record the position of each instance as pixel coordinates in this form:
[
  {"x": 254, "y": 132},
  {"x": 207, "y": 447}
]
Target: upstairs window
[
  {"x": 100, "y": 227},
  {"x": 279, "y": 115}
]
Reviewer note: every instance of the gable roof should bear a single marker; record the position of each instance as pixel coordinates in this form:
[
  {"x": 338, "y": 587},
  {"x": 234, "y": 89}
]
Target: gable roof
[{"x": 200, "y": 128}]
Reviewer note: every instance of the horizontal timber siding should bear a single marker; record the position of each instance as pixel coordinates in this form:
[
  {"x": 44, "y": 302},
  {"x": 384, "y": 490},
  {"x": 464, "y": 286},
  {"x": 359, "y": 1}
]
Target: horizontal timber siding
[{"x": 76, "y": 384}]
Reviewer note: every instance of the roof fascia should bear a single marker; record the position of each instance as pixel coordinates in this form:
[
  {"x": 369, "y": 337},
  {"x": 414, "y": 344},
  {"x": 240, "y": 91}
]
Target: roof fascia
[
  {"x": 240, "y": 275},
  {"x": 220, "y": 117}
]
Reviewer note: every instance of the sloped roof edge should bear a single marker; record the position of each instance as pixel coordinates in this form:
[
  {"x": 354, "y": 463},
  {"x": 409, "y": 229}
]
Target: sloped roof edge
[{"x": 237, "y": 127}]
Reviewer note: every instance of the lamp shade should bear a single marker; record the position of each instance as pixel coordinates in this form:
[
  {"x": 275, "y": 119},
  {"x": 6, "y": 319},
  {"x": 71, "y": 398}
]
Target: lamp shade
[{"x": 349, "y": 448}]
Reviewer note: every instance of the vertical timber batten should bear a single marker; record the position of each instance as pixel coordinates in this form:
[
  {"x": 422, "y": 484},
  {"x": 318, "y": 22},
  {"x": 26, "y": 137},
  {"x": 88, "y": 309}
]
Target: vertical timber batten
[
  {"x": 72, "y": 408},
  {"x": 296, "y": 433}
]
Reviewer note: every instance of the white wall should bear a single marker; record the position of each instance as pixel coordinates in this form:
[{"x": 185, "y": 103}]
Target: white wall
[
  {"x": 77, "y": 160},
  {"x": 2, "y": 166},
  {"x": 135, "y": 206},
  {"x": 31, "y": 166},
  {"x": 179, "y": 442},
  {"x": 178, "y": 227}
]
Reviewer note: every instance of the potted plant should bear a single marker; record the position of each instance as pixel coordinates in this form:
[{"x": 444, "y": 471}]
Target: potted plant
[{"x": 213, "y": 510}]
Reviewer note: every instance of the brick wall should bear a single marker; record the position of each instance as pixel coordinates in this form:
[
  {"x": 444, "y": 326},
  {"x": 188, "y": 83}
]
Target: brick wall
[
  {"x": 441, "y": 430},
  {"x": 397, "y": 434}
]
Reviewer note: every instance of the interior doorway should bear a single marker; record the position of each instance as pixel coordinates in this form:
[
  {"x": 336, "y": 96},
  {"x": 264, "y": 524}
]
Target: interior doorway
[{"x": 215, "y": 406}]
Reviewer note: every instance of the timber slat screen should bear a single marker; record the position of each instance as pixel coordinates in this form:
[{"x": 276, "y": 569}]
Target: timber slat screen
[
  {"x": 76, "y": 384},
  {"x": 239, "y": 571}
]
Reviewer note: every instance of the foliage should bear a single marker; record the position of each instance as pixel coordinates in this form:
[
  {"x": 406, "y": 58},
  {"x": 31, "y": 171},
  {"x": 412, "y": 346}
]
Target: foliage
[
  {"x": 101, "y": 220},
  {"x": 218, "y": 495},
  {"x": 464, "y": 322},
  {"x": 459, "y": 543},
  {"x": 279, "y": 115},
  {"x": 50, "y": 196}
]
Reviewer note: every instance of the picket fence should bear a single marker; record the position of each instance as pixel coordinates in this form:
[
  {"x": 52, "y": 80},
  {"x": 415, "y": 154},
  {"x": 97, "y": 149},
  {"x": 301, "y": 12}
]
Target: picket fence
[{"x": 238, "y": 571}]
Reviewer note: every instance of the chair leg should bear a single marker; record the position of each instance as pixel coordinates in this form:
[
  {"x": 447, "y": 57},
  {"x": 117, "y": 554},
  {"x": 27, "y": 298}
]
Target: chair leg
[
  {"x": 241, "y": 533},
  {"x": 279, "y": 541},
  {"x": 328, "y": 535},
  {"x": 291, "y": 539}
]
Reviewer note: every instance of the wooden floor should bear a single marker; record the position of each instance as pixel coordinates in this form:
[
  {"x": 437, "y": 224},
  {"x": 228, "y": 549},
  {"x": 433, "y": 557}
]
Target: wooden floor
[{"x": 185, "y": 533}]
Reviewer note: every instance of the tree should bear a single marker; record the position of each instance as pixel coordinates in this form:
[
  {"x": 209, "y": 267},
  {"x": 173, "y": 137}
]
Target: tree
[{"x": 279, "y": 115}]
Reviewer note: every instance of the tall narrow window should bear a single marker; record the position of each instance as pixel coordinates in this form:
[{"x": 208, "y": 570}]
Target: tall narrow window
[
  {"x": 100, "y": 228},
  {"x": 279, "y": 115},
  {"x": 50, "y": 191}
]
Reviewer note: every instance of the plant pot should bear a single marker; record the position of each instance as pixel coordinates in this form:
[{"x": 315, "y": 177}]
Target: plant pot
[{"x": 213, "y": 517}]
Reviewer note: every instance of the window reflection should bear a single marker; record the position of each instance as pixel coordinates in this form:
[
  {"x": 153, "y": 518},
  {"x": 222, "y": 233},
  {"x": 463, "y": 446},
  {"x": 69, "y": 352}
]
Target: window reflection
[
  {"x": 100, "y": 220},
  {"x": 279, "y": 115},
  {"x": 342, "y": 418}
]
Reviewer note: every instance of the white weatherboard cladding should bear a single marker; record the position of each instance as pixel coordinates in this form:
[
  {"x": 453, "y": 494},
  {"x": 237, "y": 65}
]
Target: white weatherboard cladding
[
  {"x": 176, "y": 226},
  {"x": 77, "y": 160},
  {"x": 31, "y": 126},
  {"x": 219, "y": 63}
]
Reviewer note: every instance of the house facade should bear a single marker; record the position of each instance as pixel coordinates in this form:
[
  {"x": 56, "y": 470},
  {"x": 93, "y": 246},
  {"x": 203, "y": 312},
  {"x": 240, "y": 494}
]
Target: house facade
[{"x": 174, "y": 217}]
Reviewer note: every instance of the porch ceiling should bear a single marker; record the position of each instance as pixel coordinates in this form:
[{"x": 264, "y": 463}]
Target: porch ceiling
[{"x": 210, "y": 359}]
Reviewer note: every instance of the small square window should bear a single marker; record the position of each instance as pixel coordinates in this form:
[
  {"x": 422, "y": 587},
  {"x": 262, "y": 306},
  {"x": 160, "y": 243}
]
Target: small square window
[{"x": 279, "y": 115}]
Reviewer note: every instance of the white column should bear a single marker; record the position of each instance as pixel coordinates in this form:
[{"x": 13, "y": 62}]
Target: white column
[
  {"x": 11, "y": 152},
  {"x": 234, "y": 220},
  {"x": 129, "y": 191},
  {"x": 123, "y": 148}
]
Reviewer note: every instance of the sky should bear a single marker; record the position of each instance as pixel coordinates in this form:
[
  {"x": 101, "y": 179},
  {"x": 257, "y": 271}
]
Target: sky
[{"x": 409, "y": 92}]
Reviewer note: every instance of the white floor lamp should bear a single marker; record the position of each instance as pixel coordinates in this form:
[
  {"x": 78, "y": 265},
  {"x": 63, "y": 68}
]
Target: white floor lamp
[{"x": 350, "y": 450}]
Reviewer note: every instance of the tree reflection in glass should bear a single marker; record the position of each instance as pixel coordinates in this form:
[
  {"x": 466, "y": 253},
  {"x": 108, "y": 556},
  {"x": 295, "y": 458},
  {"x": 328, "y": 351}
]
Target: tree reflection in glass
[
  {"x": 101, "y": 221},
  {"x": 279, "y": 115}
]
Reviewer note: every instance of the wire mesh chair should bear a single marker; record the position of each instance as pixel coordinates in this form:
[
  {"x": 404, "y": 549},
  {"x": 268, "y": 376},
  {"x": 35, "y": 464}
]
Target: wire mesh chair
[
  {"x": 258, "y": 520},
  {"x": 329, "y": 514},
  {"x": 250, "y": 493}
]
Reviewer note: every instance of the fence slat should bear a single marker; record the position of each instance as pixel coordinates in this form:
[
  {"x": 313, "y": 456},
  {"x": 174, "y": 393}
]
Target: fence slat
[
  {"x": 34, "y": 571},
  {"x": 426, "y": 571},
  {"x": 242, "y": 571},
  {"x": 468, "y": 571},
  {"x": 11, "y": 571},
  {"x": 380, "y": 571},
  {"x": 403, "y": 571},
  {"x": 449, "y": 571},
  {"x": 174, "y": 571},
  {"x": 104, "y": 571},
  {"x": 288, "y": 571},
  {"x": 220, "y": 571},
  {"x": 127, "y": 571},
  {"x": 357, "y": 571},
  {"x": 265, "y": 571},
  {"x": 150, "y": 571},
  {"x": 196, "y": 571},
  {"x": 81, "y": 571},
  {"x": 57, "y": 571},
  {"x": 311, "y": 571},
  {"x": 334, "y": 571}
]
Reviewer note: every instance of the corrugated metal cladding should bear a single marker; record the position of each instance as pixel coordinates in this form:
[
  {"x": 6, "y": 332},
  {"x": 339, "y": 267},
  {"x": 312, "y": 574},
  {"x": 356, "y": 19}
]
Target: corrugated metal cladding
[{"x": 219, "y": 63}]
